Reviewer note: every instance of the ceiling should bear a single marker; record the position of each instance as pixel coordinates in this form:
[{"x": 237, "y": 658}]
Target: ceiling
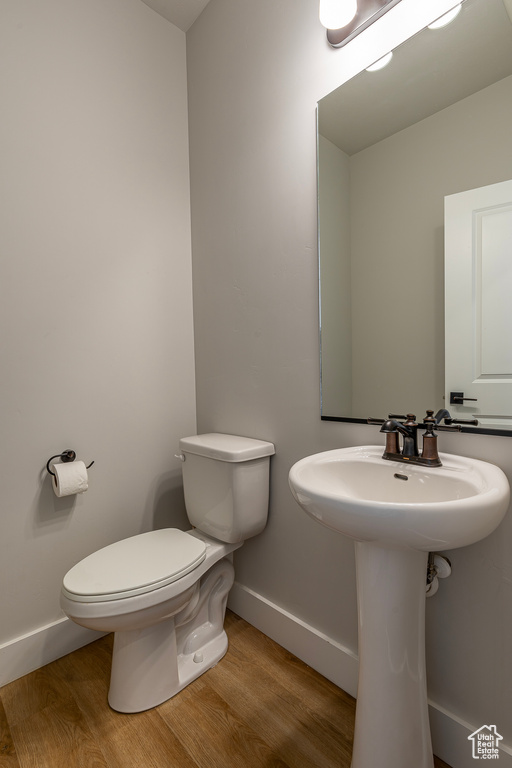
[
  {"x": 429, "y": 72},
  {"x": 181, "y": 13}
]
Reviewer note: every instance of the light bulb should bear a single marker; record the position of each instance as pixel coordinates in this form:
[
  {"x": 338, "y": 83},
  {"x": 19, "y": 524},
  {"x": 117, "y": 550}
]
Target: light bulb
[
  {"x": 381, "y": 63},
  {"x": 446, "y": 19},
  {"x": 335, "y": 14}
]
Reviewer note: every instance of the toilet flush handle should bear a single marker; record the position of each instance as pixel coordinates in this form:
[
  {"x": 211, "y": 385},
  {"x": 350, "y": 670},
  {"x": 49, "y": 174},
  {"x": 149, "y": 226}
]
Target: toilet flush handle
[{"x": 180, "y": 456}]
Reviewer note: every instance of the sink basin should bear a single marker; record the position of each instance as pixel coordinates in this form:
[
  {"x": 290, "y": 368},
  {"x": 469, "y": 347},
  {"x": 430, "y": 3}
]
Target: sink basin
[
  {"x": 397, "y": 512},
  {"x": 360, "y": 494}
]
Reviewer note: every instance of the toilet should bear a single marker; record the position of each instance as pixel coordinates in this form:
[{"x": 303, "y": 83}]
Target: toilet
[{"x": 164, "y": 593}]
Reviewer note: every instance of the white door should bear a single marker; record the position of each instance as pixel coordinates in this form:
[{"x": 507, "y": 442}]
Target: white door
[{"x": 478, "y": 303}]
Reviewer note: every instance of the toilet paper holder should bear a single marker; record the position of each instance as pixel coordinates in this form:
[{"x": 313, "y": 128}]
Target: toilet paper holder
[{"x": 65, "y": 457}]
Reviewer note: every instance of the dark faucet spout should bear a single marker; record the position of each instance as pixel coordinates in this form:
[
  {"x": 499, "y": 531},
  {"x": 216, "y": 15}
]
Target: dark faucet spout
[
  {"x": 409, "y": 430},
  {"x": 391, "y": 425},
  {"x": 442, "y": 414}
]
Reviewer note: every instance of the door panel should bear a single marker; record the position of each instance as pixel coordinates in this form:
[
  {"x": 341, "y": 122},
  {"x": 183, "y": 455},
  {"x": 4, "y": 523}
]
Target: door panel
[{"x": 478, "y": 302}]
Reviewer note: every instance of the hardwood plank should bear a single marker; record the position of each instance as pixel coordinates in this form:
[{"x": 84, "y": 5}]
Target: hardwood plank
[
  {"x": 299, "y": 680},
  {"x": 145, "y": 741},
  {"x": 30, "y": 694},
  {"x": 86, "y": 673},
  {"x": 214, "y": 736},
  {"x": 57, "y": 737},
  {"x": 92, "y": 662},
  {"x": 8, "y": 757},
  {"x": 305, "y": 736},
  {"x": 292, "y": 674}
]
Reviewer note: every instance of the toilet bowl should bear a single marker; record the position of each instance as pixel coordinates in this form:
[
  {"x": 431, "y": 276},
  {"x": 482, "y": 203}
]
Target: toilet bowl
[{"x": 164, "y": 593}]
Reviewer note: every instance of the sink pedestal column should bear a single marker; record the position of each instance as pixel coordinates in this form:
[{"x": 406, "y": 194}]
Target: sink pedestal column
[{"x": 392, "y": 728}]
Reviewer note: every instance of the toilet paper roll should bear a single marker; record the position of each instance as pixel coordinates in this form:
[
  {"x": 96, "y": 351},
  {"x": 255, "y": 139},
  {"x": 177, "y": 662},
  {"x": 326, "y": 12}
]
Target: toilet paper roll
[{"x": 70, "y": 478}]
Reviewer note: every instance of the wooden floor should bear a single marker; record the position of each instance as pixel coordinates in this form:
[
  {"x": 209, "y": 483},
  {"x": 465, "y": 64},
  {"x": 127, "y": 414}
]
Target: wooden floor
[{"x": 260, "y": 706}]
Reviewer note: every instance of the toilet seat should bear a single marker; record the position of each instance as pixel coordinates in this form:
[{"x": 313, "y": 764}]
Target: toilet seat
[{"x": 133, "y": 566}]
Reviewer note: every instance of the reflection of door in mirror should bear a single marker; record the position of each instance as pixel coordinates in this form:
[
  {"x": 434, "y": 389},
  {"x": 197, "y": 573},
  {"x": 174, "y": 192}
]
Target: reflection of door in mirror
[
  {"x": 391, "y": 146},
  {"x": 478, "y": 312}
]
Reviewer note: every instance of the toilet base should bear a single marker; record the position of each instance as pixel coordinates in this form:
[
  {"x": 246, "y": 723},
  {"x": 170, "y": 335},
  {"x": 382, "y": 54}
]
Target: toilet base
[
  {"x": 152, "y": 664},
  {"x": 137, "y": 682}
]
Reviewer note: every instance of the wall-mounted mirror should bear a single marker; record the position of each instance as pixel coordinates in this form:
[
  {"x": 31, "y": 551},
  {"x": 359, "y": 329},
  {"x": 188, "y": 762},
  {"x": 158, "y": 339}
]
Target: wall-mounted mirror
[{"x": 394, "y": 147}]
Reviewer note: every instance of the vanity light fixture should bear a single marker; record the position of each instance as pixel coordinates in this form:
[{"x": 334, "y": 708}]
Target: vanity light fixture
[
  {"x": 446, "y": 18},
  {"x": 345, "y": 19}
]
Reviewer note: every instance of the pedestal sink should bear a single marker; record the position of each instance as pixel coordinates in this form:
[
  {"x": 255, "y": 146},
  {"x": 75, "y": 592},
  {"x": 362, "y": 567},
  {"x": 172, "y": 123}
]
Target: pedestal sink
[{"x": 397, "y": 512}]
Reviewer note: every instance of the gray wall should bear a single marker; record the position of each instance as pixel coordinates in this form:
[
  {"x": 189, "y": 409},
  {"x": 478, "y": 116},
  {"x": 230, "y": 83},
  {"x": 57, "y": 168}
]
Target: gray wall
[
  {"x": 335, "y": 279},
  {"x": 256, "y": 71},
  {"x": 96, "y": 341}
]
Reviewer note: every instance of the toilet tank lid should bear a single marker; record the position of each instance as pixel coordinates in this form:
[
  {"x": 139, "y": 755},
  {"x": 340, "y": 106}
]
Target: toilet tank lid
[{"x": 226, "y": 447}]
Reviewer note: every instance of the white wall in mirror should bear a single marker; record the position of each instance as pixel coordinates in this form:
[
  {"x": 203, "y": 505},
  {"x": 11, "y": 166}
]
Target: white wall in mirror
[{"x": 400, "y": 169}]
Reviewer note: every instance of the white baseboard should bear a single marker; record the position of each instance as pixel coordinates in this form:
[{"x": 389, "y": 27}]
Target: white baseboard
[
  {"x": 340, "y": 665},
  {"x": 28, "y": 652},
  {"x": 450, "y": 739}
]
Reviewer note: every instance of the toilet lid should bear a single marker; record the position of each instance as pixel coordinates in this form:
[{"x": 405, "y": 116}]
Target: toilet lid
[{"x": 133, "y": 566}]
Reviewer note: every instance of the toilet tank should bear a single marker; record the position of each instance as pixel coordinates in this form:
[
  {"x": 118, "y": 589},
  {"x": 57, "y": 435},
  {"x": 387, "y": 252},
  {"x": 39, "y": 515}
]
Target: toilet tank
[{"x": 226, "y": 484}]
